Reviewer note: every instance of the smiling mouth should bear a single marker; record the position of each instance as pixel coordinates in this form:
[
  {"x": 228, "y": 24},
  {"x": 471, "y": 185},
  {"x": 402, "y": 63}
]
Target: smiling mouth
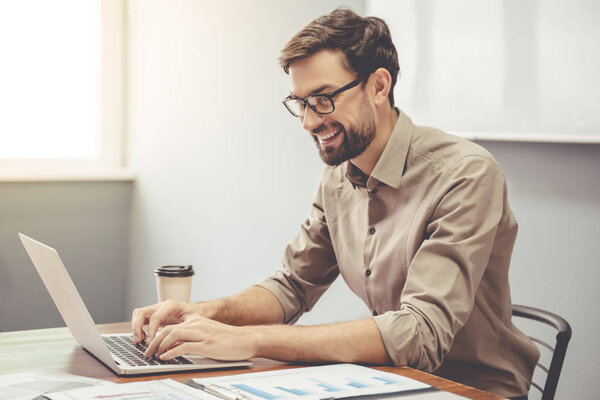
[{"x": 329, "y": 137}]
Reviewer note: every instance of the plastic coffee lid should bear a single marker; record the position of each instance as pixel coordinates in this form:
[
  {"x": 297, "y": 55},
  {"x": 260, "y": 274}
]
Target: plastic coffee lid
[{"x": 174, "y": 270}]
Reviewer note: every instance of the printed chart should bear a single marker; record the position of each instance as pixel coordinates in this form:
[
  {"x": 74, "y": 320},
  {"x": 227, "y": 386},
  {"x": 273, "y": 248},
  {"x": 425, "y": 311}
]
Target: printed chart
[{"x": 331, "y": 381}]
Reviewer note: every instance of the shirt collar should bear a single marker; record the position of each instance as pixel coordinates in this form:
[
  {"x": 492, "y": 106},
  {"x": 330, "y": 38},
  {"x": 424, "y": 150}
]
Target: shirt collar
[{"x": 390, "y": 166}]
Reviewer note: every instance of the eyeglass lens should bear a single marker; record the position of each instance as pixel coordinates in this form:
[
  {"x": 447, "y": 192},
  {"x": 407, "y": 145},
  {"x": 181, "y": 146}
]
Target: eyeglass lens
[{"x": 319, "y": 104}]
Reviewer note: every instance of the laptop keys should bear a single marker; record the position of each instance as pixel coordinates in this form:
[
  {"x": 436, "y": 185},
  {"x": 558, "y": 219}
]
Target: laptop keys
[{"x": 127, "y": 350}]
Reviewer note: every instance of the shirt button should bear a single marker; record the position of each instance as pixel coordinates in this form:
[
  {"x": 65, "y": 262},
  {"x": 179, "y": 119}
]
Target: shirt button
[
  {"x": 374, "y": 313},
  {"x": 372, "y": 231},
  {"x": 368, "y": 272}
]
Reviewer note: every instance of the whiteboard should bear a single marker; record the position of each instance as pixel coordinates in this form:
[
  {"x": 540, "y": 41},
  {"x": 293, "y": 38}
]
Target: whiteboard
[{"x": 499, "y": 69}]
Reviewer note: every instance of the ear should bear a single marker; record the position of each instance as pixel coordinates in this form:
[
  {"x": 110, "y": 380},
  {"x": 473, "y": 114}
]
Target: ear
[{"x": 382, "y": 84}]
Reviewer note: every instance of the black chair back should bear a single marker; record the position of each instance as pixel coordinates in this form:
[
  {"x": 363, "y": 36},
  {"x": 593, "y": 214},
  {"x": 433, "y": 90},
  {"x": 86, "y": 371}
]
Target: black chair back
[{"x": 559, "y": 350}]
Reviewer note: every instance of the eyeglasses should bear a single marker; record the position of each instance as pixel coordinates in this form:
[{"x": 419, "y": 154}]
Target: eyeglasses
[{"x": 319, "y": 103}]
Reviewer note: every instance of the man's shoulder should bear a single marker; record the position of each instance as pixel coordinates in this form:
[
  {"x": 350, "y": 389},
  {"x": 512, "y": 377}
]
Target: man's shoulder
[{"x": 444, "y": 149}]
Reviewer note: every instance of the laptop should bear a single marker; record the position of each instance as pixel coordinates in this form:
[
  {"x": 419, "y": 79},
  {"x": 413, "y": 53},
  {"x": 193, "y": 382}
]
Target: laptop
[{"x": 117, "y": 351}]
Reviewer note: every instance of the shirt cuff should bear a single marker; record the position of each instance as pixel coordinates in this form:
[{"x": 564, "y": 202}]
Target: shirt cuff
[
  {"x": 403, "y": 341},
  {"x": 292, "y": 308}
]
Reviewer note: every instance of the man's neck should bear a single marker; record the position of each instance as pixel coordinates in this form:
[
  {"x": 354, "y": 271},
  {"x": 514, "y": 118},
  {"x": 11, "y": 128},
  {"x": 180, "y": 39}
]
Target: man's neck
[{"x": 385, "y": 122}]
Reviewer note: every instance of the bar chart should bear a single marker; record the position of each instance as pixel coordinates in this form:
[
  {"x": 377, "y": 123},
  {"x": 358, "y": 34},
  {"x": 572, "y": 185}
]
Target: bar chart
[{"x": 323, "y": 382}]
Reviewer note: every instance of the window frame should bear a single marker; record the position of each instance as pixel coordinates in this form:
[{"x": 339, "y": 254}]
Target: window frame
[{"x": 111, "y": 163}]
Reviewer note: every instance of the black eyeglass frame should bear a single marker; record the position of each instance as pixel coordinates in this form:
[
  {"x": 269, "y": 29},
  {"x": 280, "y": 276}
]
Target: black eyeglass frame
[{"x": 328, "y": 96}]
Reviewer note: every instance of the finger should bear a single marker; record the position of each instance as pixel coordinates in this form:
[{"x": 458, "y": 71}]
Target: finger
[
  {"x": 180, "y": 350},
  {"x": 162, "y": 316},
  {"x": 175, "y": 337},
  {"x": 138, "y": 319},
  {"x": 155, "y": 343}
]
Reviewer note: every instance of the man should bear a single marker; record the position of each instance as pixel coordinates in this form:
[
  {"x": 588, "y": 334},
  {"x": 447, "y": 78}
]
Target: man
[{"x": 415, "y": 220}]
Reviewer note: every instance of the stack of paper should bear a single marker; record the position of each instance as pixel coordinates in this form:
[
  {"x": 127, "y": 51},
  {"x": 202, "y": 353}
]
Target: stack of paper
[
  {"x": 164, "y": 389},
  {"x": 30, "y": 385}
]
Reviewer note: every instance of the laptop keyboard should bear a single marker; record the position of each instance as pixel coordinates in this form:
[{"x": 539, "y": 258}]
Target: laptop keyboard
[{"x": 125, "y": 348}]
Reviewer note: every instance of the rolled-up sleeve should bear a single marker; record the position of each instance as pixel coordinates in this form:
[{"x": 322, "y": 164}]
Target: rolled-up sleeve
[
  {"x": 309, "y": 266},
  {"x": 443, "y": 277}
]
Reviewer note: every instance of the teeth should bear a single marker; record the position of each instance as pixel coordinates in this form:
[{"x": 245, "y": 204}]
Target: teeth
[{"x": 329, "y": 135}]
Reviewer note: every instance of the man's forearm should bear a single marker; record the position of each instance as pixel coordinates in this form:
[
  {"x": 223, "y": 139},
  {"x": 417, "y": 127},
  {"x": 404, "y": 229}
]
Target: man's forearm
[
  {"x": 254, "y": 306},
  {"x": 208, "y": 329},
  {"x": 353, "y": 341}
]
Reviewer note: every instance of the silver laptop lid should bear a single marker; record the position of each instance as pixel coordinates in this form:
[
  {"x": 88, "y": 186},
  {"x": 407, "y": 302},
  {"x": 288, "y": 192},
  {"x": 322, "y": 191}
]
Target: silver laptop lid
[{"x": 67, "y": 298}]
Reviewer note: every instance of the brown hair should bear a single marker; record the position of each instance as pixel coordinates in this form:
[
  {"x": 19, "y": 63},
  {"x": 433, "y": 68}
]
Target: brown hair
[{"x": 365, "y": 42}]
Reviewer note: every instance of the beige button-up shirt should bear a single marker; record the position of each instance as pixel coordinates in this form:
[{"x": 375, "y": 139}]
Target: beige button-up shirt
[{"x": 425, "y": 242}]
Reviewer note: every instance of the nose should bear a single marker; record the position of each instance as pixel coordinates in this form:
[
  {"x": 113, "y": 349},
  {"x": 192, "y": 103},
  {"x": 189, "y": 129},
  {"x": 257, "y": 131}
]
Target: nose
[{"x": 311, "y": 119}]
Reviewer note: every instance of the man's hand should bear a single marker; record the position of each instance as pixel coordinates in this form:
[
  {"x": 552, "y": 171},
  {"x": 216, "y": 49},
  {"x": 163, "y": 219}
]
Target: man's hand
[
  {"x": 255, "y": 305},
  {"x": 161, "y": 314},
  {"x": 205, "y": 337}
]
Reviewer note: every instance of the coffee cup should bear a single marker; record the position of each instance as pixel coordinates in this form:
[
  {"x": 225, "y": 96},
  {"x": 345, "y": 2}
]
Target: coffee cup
[{"x": 174, "y": 282}]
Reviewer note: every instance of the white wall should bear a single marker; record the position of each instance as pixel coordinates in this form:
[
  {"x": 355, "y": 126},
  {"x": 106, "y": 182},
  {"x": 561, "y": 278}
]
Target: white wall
[
  {"x": 225, "y": 174},
  {"x": 498, "y": 65}
]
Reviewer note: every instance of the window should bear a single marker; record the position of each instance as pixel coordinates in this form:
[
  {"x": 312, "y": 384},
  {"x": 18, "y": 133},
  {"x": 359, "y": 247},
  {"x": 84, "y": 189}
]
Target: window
[{"x": 61, "y": 79}]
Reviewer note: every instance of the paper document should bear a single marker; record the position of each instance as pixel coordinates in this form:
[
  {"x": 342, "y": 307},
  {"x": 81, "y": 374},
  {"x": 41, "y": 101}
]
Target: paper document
[
  {"x": 323, "y": 382},
  {"x": 31, "y": 385},
  {"x": 164, "y": 389}
]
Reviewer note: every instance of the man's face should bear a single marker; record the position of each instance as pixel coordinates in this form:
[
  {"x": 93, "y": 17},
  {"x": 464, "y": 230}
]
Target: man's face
[{"x": 348, "y": 131}]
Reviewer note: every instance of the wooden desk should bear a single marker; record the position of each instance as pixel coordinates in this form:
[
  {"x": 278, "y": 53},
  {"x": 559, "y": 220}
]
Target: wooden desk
[{"x": 55, "y": 350}]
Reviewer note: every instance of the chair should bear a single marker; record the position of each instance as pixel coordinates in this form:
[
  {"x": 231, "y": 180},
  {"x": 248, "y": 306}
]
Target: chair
[{"x": 558, "y": 352}]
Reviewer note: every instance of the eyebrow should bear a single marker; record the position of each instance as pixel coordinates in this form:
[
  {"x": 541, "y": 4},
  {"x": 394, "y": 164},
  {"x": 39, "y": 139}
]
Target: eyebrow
[{"x": 316, "y": 91}]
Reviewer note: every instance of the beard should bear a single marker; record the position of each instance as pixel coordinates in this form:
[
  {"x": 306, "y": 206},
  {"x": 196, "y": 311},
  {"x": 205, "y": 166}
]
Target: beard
[{"x": 356, "y": 138}]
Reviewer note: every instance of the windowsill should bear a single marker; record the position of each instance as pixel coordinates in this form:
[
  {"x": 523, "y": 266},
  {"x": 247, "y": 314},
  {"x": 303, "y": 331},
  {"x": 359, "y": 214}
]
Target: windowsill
[{"x": 65, "y": 174}]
